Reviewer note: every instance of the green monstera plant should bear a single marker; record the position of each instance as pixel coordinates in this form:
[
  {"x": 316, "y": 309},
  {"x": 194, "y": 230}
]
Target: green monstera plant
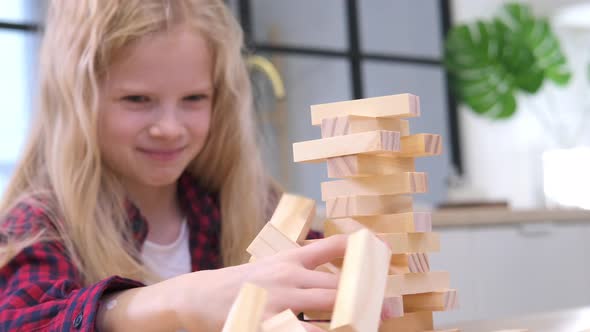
[{"x": 491, "y": 62}]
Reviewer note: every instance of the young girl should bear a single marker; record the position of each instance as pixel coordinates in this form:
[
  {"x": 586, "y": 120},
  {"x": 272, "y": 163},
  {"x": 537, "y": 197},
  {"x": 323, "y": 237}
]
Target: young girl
[{"x": 141, "y": 185}]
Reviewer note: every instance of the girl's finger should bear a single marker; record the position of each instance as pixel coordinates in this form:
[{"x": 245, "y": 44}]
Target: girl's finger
[
  {"x": 321, "y": 251},
  {"x": 313, "y": 299},
  {"x": 307, "y": 279}
]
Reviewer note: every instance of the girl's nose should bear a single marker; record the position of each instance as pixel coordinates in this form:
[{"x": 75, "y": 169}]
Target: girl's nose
[{"x": 167, "y": 126}]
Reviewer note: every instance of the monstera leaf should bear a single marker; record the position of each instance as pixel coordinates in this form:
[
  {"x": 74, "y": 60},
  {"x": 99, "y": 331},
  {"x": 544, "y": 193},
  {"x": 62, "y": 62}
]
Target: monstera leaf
[{"x": 491, "y": 61}]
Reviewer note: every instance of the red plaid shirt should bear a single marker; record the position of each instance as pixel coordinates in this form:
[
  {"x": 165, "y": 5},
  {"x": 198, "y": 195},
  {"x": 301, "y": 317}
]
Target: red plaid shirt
[{"x": 40, "y": 288}]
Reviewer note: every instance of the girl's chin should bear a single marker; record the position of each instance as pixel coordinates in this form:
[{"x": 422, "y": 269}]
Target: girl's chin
[{"x": 160, "y": 180}]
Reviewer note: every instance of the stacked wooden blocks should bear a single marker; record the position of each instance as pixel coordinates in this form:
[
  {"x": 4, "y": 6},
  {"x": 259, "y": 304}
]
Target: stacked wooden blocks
[{"x": 367, "y": 142}]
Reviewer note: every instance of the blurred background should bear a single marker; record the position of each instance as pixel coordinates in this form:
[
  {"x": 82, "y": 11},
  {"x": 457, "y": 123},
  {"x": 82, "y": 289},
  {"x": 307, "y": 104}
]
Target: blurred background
[{"x": 510, "y": 192}]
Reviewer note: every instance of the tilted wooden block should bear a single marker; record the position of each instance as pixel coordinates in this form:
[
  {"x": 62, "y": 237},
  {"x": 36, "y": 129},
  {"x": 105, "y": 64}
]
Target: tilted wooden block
[
  {"x": 246, "y": 312},
  {"x": 389, "y": 223},
  {"x": 409, "y": 322},
  {"x": 269, "y": 242},
  {"x": 400, "y": 243},
  {"x": 260, "y": 248},
  {"x": 394, "y": 184},
  {"x": 362, "y": 284},
  {"x": 285, "y": 321},
  {"x": 420, "y": 145},
  {"x": 414, "y": 283},
  {"x": 398, "y": 106},
  {"x": 434, "y": 301},
  {"x": 353, "y": 206},
  {"x": 366, "y": 165},
  {"x": 352, "y": 124},
  {"x": 371, "y": 142},
  {"x": 293, "y": 216}
]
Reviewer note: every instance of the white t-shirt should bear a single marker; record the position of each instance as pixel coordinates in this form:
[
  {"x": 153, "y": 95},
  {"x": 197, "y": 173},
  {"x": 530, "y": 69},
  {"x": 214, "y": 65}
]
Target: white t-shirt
[{"x": 168, "y": 260}]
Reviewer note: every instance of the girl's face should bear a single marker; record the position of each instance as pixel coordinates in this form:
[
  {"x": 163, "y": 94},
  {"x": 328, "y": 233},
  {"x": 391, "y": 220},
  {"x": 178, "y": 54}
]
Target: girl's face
[{"x": 155, "y": 107}]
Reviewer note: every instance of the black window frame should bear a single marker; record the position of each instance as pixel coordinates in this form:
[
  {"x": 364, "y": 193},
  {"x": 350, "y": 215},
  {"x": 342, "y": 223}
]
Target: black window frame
[{"x": 25, "y": 27}]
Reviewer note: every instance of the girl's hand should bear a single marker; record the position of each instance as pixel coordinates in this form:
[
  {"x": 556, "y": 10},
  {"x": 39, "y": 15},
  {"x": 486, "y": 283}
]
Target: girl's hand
[{"x": 202, "y": 300}]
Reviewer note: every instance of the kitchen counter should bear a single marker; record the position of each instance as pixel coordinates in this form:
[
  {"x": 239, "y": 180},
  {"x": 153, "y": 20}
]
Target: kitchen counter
[{"x": 493, "y": 216}]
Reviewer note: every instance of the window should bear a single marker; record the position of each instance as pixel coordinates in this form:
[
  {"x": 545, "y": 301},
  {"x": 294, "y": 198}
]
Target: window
[
  {"x": 18, "y": 43},
  {"x": 335, "y": 50}
]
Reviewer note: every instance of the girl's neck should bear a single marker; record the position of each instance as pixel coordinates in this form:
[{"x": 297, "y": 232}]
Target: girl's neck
[{"x": 159, "y": 205}]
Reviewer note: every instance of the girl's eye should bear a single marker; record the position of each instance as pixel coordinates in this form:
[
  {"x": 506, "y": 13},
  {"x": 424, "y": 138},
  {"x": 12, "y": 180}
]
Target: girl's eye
[
  {"x": 195, "y": 98},
  {"x": 136, "y": 99}
]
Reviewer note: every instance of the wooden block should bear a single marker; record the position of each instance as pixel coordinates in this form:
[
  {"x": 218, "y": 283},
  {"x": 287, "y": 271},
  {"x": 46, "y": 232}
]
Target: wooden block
[
  {"x": 433, "y": 301},
  {"x": 409, "y": 263},
  {"x": 409, "y": 322},
  {"x": 400, "y": 243},
  {"x": 329, "y": 267},
  {"x": 371, "y": 142},
  {"x": 293, "y": 216},
  {"x": 414, "y": 283},
  {"x": 366, "y": 165},
  {"x": 394, "y": 304},
  {"x": 246, "y": 312},
  {"x": 259, "y": 248},
  {"x": 389, "y": 223},
  {"x": 286, "y": 321},
  {"x": 338, "y": 262},
  {"x": 397, "y": 106},
  {"x": 399, "y": 264},
  {"x": 269, "y": 242},
  {"x": 394, "y": 184},
  {"x": 354, "y": 206},
  {"x": 362, "y": 283},
  {"x": 317, "y": 315},
  {"x": 352, "y": 124},
  {"x": 322, "y": 325},
  {"x": 418, "y": 262},
  {"x": 421, "y": 145}
]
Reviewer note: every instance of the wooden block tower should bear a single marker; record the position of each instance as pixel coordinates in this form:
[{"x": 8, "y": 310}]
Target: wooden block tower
[{"x": 367, "y": 143}]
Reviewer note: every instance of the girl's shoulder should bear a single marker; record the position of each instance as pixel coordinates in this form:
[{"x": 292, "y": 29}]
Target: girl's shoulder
[{"x": 28, "y": 216}]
